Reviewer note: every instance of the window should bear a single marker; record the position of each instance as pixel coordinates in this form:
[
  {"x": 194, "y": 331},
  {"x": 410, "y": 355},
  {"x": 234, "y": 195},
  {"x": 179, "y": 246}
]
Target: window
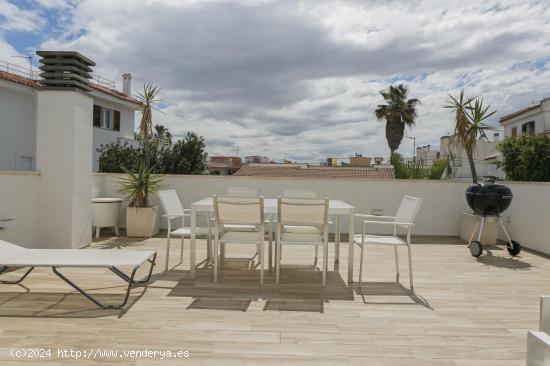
[
  {"x": 106, "y": 118},
  {"x": 514, "y": 132},
  {"x": 528, "y": 128}
]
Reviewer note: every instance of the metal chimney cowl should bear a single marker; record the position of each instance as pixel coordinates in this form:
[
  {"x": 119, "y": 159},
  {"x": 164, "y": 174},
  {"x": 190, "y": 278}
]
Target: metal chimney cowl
[{"x": 65, "y": 70}]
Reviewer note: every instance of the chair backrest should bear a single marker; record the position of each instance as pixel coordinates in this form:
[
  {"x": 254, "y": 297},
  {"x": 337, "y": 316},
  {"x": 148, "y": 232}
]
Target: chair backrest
[
  {"x": 299, "y": 193},
  {"x": 303, "y": 211},
  {"x": 242, "y": 192},
  {"x": 408, "y": 208},
  {"x": 170, "y": 202},
  {"x": 239, "y": 210}
]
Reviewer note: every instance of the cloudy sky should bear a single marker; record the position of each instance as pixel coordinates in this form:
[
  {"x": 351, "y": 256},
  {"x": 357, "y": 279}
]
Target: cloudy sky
[{"x": 298, "y": 78}]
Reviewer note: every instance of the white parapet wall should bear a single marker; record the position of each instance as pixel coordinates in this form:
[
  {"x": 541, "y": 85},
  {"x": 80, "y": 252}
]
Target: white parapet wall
[
  {"x": 527, "y": 219},
  {"x": 440, "y": 214},
  {"x": 19, "y": 195}
]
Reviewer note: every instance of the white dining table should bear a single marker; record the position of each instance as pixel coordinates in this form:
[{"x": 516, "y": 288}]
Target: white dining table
[{"x": 337, "y": 208}]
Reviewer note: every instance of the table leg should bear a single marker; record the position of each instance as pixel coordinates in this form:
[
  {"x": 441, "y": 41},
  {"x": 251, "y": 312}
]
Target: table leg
[
  {"x": 193, "y": 245},
  {"x": 337, "y": 241},
  {"x": 270, "y": 236},
  {"x": 351, "y": 247}
]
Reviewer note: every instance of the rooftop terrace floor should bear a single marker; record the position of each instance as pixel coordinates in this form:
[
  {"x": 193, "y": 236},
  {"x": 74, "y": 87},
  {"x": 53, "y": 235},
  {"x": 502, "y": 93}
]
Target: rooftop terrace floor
[{"x": 466, "y": 311}]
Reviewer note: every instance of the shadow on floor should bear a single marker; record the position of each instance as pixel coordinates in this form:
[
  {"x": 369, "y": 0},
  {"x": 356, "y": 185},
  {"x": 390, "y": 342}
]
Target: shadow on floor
[
  {"x": 238, "y": 286},
  {"x": 389, "y": 293},
  {"x": 489, "y": 259},
  {"x": 61, "y": 305}
]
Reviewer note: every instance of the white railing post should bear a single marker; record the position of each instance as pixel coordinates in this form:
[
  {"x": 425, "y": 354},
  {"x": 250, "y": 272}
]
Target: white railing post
[
  {"x": 544, "y": 323},
  {"x": 538, "y": 348},
  {"x": 538, "y": 342}
]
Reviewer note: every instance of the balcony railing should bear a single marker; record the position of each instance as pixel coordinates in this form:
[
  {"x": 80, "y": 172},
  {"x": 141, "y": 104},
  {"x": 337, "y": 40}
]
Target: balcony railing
[{"x": 33, "y": 74}]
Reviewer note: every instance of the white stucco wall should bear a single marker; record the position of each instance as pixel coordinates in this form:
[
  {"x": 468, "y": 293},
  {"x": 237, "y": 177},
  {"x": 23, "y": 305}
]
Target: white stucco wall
[
  {"x": 18, "y": 105},
  {"x": 527, "y": 219},
  {"x": 17, "y": 126},
  {"x": 540, "y": 115},
  {"x": 442, "y": 205},
  {"x": 19, "y": 195},
  {"x": 64, "y": 135}
]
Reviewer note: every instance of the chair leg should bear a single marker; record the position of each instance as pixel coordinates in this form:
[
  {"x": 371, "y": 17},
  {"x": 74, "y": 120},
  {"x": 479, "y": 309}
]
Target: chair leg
[
  {"x": 410, "y": 267},
  {"x": 215, "y": 259},
  {"x": 97, "y": 232},
  {"x": 270, "y": 246},
  {"x": 182, "y": 248},
  {"x": 277, "y": 260},
  {"x": 167, "y": 252},
  {"x": 325, "y": 262},
  {"x": 261, "y": 258},
  {"x": 316, "y": 256},
  {"x": 396, "y": 265},
  {"x": 361, "y": 263},
  {"x": 116, "y": 231}
]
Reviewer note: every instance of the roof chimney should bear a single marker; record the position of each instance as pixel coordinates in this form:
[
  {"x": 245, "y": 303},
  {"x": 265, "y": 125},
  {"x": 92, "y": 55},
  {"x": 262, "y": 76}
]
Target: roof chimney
[{"x": 127, "y": 84}]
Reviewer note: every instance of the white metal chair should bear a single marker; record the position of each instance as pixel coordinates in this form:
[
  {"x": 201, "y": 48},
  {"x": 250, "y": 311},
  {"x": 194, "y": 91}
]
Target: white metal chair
[
  {"x": 231, "y": 211},
  {"x": 173, "y": 210},
  {"x": 404, "y": 218},
  {"x": 302, "y": 221}
]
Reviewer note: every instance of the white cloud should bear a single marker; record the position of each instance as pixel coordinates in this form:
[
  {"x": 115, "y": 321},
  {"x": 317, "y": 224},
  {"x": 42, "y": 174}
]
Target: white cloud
[{"x": 302, "y": 78}]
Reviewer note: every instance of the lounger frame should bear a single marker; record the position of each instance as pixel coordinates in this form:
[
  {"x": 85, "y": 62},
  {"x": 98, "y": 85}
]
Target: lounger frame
[{"x": 130, "y": 279}]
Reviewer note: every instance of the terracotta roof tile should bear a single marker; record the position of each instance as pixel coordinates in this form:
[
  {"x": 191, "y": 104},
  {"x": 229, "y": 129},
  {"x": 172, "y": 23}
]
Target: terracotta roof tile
[
  {"x": 36, "y": 84},
  {"x": 114, "y": 93},
  {"x": 317, "y": 172},
  {"x": 18, "y": 79}
]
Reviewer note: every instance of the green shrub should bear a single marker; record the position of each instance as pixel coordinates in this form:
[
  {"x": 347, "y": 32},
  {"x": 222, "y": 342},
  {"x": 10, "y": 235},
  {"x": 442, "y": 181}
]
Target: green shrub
[
  {"x": 185, "y": 156},
  {"x": 415, "y": 170},
  {"x": 526, "y": 158}
]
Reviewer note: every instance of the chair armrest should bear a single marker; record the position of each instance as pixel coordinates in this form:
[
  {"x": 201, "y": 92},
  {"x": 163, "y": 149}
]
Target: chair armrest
[
  {"x": 388, "y": 223},
  {"x": 375, "y": 216}
]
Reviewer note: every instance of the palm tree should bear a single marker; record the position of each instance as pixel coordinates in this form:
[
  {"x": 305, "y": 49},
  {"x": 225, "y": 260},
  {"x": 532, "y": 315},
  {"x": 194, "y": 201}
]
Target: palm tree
[
  {"x": 399, "y": 112},
  {"x": 469, "y": 126},
  {"x": 162, "y": 134},
  {"x": 148, "y": 99}
]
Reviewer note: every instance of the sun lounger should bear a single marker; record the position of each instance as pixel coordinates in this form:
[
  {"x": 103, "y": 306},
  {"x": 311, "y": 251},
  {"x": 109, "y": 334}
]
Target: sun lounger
[{"x": 16, "y": 257}]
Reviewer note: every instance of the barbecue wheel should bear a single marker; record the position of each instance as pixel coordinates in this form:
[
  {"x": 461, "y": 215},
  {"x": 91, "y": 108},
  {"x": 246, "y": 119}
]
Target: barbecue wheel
[
  {"x": 513, "y": 248},
  {"x": 476, "y": 249}
]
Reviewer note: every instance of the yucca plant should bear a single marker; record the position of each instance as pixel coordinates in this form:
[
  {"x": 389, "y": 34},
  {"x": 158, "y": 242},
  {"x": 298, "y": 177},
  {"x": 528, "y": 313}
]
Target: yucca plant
[
  {"x": 137, "y": 186},
  {"x": 148, "y": 99},
  {"x": 469, "y": 126}
]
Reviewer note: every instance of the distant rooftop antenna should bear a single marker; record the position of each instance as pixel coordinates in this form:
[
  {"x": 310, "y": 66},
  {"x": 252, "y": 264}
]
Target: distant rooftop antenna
[{"x": 29, "y": 58}]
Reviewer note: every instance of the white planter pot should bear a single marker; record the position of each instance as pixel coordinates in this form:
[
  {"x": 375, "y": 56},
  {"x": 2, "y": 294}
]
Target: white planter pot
[
  {"x": 142, "y": 222},
  {"x": 468, "y": 223},
  {"x": 105, "y": 213}
]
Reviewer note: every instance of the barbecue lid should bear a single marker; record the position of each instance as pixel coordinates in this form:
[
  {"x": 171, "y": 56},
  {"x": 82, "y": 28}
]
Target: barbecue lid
[{"x": 489, "y": 189}]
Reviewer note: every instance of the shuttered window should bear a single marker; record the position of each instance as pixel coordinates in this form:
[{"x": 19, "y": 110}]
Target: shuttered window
[
  {"x": 106, "y": 118},
  {"x": 116, "y": 126},
  {"x": 97, "y": 116}
]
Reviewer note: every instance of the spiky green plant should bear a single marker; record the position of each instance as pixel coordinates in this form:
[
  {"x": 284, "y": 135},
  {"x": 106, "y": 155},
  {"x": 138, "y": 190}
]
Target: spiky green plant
[
  {"x": 469, "y": 126},
  {"x": 137, "y": 186}
]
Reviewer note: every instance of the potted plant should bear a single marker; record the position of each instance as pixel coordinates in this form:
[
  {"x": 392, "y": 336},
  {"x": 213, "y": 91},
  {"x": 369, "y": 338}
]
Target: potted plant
[{"x": 141, "y": 220}]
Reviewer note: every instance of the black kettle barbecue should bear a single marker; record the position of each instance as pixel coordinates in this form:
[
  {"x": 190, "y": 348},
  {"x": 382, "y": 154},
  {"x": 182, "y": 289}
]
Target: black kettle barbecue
[{"x": 486, "y": 200}]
